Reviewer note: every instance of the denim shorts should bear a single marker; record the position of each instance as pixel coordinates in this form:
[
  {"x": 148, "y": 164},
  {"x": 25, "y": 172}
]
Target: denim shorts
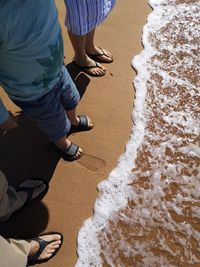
[{"x": 48, "y": 111}]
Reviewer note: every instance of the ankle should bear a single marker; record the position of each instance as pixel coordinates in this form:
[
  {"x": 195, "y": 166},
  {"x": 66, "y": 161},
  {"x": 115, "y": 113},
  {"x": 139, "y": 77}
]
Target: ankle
[
  {"x": 80, "y": 57},
  {"x": 63, "y": 145},
  {"x": 83, "y": 61},
  {"x": 75, "y": 121},
  {"x": 91, "y": 48},
  {"x": 34, "y": 246}
]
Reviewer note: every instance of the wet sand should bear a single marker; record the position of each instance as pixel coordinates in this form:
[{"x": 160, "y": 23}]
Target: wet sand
[{"x": 109, "y": 102}]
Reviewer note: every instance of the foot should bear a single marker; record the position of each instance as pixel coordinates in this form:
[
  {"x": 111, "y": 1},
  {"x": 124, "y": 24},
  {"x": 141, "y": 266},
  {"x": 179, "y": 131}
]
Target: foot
[
  {"x": 71, "y": 152},
  {"x": 82, "y": 123},
  {"x": 100, "y": 54},
  {"x": 44, "y": 248},
  {"x": 29, "y": 190},
  {"x": 78, "y": 121},
  {"x": 90, "y": 66}
]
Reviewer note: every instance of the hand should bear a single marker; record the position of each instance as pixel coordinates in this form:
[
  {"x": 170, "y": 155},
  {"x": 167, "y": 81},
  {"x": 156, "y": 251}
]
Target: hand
[{"x": 9, "y": 124}]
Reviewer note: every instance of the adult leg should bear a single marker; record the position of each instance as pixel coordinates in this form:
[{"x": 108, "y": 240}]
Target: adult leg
[
  {"x": 9, "y": 201},
  {"x": 14, "y": 253},
  {"x": 81, "y": 58},
  {"x": 12, "y": 200},
  {"x": 102, "y": 55},
  {"x": 70, "y": 98}
]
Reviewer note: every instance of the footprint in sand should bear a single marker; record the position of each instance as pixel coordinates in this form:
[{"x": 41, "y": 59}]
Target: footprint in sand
[{"x": 91, "y": 162}]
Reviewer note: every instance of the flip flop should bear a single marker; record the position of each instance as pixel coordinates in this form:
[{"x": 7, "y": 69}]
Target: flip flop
[
  {"x": 99, "y": 56},
  {"x": 87, "y": 69},
  {"x": 82, "y": 126},
  {"x": 30, "y": 190},
  {"x": 69, "y": 154},
  {"x": 42, "y": 245}
]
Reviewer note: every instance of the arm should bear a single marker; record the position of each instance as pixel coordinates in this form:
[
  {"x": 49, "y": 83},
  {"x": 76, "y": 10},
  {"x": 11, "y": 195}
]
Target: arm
[
  {"x": 4, "y": 115},
  {"x": 7, "y": 120}
]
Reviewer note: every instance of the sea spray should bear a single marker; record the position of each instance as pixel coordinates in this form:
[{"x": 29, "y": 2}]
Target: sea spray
[{"x": 148, "y": 210}]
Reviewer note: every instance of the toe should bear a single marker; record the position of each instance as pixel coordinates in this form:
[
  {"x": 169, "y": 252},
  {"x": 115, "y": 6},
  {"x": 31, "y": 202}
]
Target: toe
[
  {"x": 52, "y": 237},
  {"x": 90, "y": 123},
  {"x": 79, "y": 153},
  {"x": 55, "y": 240}
]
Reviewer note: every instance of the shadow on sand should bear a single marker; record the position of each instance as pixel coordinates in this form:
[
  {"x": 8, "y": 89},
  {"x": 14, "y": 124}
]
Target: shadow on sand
[
  {"x": 25, "y": 153},
  {"x": 80, "y": 79}
]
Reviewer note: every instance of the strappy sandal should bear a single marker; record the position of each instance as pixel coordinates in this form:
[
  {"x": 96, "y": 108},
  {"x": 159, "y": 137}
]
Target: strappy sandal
[{"x": 32, "y": 260}]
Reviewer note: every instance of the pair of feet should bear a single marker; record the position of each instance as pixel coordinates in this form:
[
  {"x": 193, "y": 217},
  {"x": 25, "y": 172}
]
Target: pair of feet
[
  {"x": 89, "y": 63},
  {"x": 72, "y": 151}
]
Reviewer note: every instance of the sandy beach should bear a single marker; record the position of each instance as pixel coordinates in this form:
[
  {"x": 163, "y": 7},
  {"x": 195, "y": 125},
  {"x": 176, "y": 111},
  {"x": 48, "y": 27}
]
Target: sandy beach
[{"x": 109, "y": 102}]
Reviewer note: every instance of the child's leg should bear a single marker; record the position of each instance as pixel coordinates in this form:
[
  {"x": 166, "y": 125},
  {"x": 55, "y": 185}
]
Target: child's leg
[
  {"x": 70, "y": 99},
  {"x": 64, "y": 144},
  {"x": 75, "y": 120},
  {"x": 50, "y": 116}
]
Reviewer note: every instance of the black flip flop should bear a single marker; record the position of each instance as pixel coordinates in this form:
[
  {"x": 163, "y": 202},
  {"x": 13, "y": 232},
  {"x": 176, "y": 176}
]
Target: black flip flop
[
  {"x": 97, "y": 56},
  {"x": 42, "y": 245},
  {"x": 82, "y": 126},
  {"x": 30, "y": 190},
  {"x": 87, "y": 68}
]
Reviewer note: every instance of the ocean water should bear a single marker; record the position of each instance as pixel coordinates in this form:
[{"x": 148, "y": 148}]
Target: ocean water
[{"x": 148, "y": 210}]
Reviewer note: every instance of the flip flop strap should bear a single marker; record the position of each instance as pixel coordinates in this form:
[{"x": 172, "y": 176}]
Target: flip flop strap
[
  {"x": 99, "y": 54},
  {"x": 91, "y": 67},
  {"x": 72, "y": 150},
  {"x": 83, "y": 123},
  {"x": 42, "y": 245}
]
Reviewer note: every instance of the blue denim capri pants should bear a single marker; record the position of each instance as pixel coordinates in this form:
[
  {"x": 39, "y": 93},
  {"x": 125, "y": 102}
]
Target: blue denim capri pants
[{"x": 48, "y": 111}]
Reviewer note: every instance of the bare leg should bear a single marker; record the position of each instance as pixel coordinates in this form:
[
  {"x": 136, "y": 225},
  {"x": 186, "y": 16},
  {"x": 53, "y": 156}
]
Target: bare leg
[
  {"x": 92, "y": 49},
  {"x": 81, "y": 58},
  {"x": 89, "y": 42},
  {"x": 63, "y": 143},
  {"x": 78, "y": 43},
  {"x": 71, "y": 114}
]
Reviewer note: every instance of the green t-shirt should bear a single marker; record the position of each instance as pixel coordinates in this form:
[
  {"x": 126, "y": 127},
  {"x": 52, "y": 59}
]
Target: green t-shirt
[{"x": 31, "y": 49}]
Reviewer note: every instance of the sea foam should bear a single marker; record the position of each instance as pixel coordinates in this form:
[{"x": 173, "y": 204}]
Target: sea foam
[{"x": 148, "y": 210}]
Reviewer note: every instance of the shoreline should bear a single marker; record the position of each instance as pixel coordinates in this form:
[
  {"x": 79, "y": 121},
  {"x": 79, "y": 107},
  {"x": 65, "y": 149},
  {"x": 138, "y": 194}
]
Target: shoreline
[{"x": 109, "y": 102}]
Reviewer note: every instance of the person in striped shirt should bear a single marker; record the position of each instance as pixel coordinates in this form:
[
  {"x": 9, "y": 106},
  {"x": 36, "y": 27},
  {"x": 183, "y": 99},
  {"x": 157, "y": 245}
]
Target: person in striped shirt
[{"x": 83, "y": 16}]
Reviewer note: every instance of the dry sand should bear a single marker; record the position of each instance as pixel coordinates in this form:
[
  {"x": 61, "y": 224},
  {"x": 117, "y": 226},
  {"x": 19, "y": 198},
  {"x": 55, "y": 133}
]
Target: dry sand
[{"x": 109, "y": 102}]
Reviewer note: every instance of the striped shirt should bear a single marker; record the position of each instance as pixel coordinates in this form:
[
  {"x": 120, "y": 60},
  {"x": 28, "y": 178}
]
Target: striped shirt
[{"x": 84, "y": 15}]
